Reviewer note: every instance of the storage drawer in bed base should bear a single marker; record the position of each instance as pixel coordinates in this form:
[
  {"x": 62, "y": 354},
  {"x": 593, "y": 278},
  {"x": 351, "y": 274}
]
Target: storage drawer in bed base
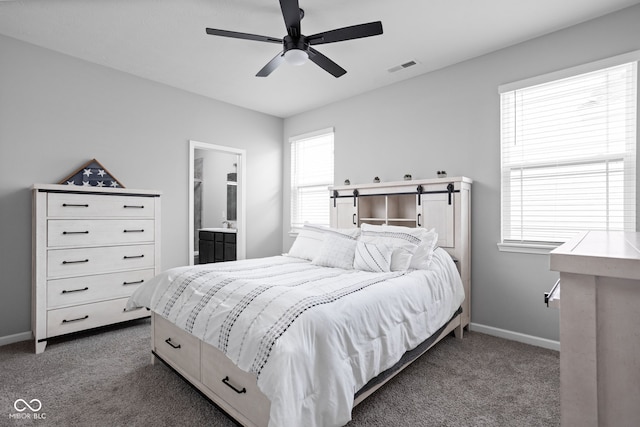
[
  {"x": 249, "y": 407},
  {"x": 223, "y": 405},
  {"x": 238, "y": 391},
  {"x": 257, "y": 403}
]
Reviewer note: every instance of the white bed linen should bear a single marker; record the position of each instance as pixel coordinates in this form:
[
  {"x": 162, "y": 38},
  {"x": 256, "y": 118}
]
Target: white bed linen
[{"x": 313, "y": 335}]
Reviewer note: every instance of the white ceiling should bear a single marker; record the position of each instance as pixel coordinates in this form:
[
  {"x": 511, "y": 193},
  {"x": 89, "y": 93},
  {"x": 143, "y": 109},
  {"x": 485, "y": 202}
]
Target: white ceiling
[{"x": 165, "y": 40}]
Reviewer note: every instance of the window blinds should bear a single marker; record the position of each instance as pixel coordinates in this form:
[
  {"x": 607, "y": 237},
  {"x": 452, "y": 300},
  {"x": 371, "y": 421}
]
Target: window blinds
[
  {"x": 311, "y": 175},
  {"x": 568, "y": 156}
]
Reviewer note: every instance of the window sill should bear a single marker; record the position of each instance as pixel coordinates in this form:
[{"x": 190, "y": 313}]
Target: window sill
[{"x": 527, "y": 248}]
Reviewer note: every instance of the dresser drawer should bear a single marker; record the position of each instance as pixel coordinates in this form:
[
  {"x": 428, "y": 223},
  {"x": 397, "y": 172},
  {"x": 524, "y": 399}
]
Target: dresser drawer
[
  {"x": 78, "y": 262},
  {"x": 84, "y": 289},
  {"x": 72, "y": 319},
  {"x": 238, "y": 388},
  {"x": 94, "y": 232},
  {"x": 95, "y": 205},
  {"x": 176, "y": 346}
]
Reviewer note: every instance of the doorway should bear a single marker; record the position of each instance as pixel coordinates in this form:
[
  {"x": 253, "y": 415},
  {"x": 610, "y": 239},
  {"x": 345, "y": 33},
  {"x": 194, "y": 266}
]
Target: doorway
[{"x": 217, "y": 198}]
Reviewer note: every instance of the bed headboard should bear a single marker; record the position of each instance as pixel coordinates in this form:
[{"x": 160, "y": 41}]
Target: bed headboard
[{"x": 442, "y": 203}]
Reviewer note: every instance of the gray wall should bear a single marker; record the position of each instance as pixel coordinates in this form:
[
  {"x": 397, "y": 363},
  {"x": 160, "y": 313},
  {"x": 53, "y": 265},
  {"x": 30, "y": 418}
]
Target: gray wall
[
  {"x": 57, "y": 112},
  {"x": 449, "y": 119}
]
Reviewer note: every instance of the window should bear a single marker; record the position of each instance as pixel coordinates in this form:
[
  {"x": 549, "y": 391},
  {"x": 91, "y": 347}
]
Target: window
[
  {"x": 568, "y": 155},
  {"x": 311, "y": 175}
]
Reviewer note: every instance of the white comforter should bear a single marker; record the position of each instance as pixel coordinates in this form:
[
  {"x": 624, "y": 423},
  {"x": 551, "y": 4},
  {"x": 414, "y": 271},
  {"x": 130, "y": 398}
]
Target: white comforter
[{"x": 312, "y": 335}]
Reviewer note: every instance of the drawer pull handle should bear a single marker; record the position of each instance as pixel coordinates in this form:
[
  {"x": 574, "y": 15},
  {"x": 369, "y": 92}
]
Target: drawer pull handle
[
  {"x": 75, "y": 262},
  {"x": 419, "y": 216},
  {"x": 168, "y": 341},
  {"x": 75, "y": 232},
  {"x": 74, "y": 205},
  {"x": 64, "y": 291},
  {"x": 132, "y": 309},
  {"x": 133, "y": 256},
  {"x": 228, "y": 384},
  {"x": 132, "y": 283},
  {"x": 134, "y": 231},
  {"x": 133, "y": 206},
  {"x": 75, "y": 320}
]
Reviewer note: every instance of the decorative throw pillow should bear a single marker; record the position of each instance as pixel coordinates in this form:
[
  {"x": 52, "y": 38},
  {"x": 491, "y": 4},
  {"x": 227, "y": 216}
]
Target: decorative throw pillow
[
  {"x": 338, "y": 250},
  {"x": 372, "y": 257},
  {"x": 405, "y": 241}
]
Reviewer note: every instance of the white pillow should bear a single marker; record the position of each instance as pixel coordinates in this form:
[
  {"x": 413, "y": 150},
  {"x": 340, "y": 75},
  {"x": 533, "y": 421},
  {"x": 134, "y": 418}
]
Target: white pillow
[
  {"x": 412, "y": 247},
  {"x": 423, "y": 255},
  {"x": 338, "y": 250},
  {"x": 372, "y": 257},
  {"x": 309, "y": 240},
  {"x": 307, "y": 243}
]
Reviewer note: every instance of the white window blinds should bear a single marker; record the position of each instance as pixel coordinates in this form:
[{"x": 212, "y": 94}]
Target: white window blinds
[
  {"x": 311, "y": 175},
  {"x": 568, "y": 156}
]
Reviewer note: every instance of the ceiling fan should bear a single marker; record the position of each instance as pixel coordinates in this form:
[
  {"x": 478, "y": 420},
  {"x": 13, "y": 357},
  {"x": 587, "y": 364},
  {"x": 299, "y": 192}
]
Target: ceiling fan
[{"x": 297, "y": 47}]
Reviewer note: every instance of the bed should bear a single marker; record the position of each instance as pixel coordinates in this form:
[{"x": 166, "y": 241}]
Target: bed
[{"x": 301, "y": 338}]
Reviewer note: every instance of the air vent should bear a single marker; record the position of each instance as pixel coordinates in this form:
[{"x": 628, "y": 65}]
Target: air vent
[{"x": 402, "y": 66}]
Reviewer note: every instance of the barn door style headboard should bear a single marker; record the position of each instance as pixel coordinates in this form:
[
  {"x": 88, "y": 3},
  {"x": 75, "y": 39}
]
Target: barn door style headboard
[{"x": 441, "y": 203}]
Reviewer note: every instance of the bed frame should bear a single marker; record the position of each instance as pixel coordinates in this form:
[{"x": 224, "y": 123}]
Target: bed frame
[{"x": 440, "y": 203}]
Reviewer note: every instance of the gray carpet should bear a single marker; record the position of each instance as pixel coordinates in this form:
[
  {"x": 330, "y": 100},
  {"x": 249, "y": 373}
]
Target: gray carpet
[{"x": 105, "y": 379}]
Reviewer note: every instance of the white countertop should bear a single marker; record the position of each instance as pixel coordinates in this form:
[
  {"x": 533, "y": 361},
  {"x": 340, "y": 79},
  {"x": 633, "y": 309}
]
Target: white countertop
[
  {"x": 600, "y": 253},
  {"x": 219, "y": 229}
]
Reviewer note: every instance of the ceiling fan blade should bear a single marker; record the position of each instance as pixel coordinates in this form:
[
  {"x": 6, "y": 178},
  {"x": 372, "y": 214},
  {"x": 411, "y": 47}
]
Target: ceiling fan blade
[
  {"x": 244, "y": 36},
  {"x": 325, "y": 63},
  {"x": 271, "y": 65},
  {"x": 291, "y": 15},
  {"x": 347, "y": 33}
]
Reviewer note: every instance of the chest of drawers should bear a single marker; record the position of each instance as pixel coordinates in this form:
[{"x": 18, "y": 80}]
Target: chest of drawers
[{"x": 92, "y": 247}]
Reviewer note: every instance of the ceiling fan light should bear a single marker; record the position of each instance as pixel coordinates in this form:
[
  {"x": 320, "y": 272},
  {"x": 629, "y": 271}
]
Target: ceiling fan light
[{"x": 296, "y": 56}]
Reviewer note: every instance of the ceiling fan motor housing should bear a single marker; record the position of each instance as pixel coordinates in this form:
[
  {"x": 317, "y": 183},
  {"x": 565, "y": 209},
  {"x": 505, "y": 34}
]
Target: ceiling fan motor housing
[{"x": 299, "y": 43}]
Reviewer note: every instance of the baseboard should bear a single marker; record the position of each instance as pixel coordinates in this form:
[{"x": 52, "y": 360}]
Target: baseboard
[
  {"x": 10, "y": 339},
  {"x": 516, "y": 336},
  {"x": 489, "y": 330}
]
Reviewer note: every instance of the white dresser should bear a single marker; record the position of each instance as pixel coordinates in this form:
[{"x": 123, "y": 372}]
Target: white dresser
[
  {"x": 599, "y": 334},
  {"x": 92, "y": 247}
]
